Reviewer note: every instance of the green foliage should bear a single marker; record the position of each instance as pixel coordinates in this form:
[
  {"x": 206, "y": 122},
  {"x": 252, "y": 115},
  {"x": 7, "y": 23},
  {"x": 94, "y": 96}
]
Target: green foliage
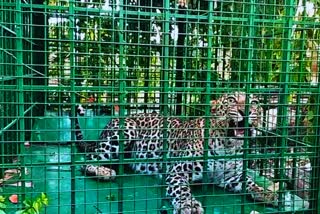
[
  {"x": 97, "y": 49},
  {"x": 31, "y": 206},
  {"x": 111, "y": 197},
  {"x": 309, "y": 121},
  {"x": 3, "y": 205}
]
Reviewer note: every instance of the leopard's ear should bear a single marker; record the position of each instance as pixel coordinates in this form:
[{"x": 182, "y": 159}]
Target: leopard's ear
[
  {"x": 240, "y": 97},
  {"x": 116, "y": 108},
  {"x": 213, "y": 104}
]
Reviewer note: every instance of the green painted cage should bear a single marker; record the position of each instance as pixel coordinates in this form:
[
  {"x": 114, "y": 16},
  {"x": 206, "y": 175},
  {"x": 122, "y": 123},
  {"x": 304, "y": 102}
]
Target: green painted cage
[{"x": 147, "y": 106}]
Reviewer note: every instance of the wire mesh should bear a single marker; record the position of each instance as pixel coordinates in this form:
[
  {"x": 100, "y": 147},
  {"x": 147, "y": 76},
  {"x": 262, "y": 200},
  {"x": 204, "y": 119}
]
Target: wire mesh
[{"x": 128, "y": 106}]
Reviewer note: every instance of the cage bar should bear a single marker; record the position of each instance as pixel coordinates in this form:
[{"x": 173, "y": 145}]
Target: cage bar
[{"x": 169, "y": 64}]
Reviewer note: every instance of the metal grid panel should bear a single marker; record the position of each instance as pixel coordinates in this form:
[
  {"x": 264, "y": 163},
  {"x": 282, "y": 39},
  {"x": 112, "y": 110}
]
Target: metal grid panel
[
  {"x": 18, "y": 68},
  {"x": 118, "y": 58}
]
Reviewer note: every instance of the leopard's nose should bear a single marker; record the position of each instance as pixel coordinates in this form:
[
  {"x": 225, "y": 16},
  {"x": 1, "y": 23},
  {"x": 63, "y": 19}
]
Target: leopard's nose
[{"x": 253, "y": 111}]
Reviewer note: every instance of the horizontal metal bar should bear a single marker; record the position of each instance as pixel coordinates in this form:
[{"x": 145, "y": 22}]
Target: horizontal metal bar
[
  {"x": 154, "y": 160},
  {"x": 170, "y": 89},
  {"x": 172, "y": 159},
  {"x": 8, "y": 78},
  {"x": 141, "y": 14}
]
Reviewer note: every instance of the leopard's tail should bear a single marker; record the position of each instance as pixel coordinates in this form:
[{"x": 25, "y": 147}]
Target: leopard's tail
[{"x": 82, "y": 145}]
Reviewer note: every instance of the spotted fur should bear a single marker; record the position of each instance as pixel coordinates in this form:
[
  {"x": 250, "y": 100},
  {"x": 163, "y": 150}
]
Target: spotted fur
[{"x": 144, "y": 140}]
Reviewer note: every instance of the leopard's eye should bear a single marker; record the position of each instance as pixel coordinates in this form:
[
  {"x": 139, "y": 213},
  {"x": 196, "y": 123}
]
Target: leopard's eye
[
  {"x": 254, "y": 102},
  {"x": 232, "y": 100}
]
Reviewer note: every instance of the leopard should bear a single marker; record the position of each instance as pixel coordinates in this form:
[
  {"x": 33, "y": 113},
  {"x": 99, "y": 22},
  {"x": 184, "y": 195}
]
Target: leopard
[{"x": 153, "y": 136}]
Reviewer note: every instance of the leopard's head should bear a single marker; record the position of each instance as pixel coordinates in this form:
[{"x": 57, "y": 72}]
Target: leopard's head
[{"x": 230, "y": 107}]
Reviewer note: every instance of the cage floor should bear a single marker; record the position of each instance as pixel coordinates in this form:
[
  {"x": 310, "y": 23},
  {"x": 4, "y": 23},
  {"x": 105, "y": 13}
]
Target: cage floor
[{"x": 141, "y": 193}]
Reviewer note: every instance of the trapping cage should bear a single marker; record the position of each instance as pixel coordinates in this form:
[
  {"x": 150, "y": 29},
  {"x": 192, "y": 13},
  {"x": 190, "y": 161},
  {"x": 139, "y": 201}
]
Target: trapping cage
[{"x": 133, "y": 106}]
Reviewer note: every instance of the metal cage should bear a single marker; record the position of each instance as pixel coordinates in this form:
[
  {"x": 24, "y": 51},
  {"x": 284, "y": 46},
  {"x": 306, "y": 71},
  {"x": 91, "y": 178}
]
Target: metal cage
[{"x": 119, "y": 58}]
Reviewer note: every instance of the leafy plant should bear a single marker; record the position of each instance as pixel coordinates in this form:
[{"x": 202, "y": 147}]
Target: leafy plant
[
  {"x": 2, "y": 204},
  {"x": 31, "y": 206}
]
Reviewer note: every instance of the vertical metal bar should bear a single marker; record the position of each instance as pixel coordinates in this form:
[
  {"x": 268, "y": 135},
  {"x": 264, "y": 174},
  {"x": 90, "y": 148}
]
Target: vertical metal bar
[
  {"x": 165, "y": 60},
  {"x": 315, "y": 157},
  {"x": 73, "y": 100},
  {"x": 20, "y": 92},
  {"x": 241, "y": 46},
  {"x": 315, "y": 160},
  {"x": 302, "y": 64},
  {"x": 45, "y": 54},
  {"x": 113, "y": 64},
  {"x": 131, "y": 63},
  {"x": 165, "y": 85},
  {"x": 284, "y": 79},
  {"x": 98, "y": 107},
  {"x": 269, "y": 45},
  {"x": 181, "y": 22},
  {"x": 208, "y": 95},
  {"x": 2, "y": 73},
  {"x": 248, "y": 85},
  {"x": 145, "y": 61},
  {"x": 122, "y": 96}
]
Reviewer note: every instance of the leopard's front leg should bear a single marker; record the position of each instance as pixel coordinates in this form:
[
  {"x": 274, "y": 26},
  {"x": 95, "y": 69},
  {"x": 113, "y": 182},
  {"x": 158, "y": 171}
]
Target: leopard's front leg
[
  {"x": 179, "y": 191},
  {"x": 100, "y": 172},
  {"x": 97, "y": 150},
  {"x": 259, "y": 193},
  {"x": 108, "y": 149},
  {"x": 256, "y": 192}
]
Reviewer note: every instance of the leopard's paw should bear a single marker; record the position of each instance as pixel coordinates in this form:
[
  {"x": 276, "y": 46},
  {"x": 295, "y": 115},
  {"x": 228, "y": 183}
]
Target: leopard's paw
[
  {"x": 99, "y": 172},
  {"x": 263, "y": 195},
  {"x": 271, "y": 198},
  {"x": 188, "y": 207}
]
